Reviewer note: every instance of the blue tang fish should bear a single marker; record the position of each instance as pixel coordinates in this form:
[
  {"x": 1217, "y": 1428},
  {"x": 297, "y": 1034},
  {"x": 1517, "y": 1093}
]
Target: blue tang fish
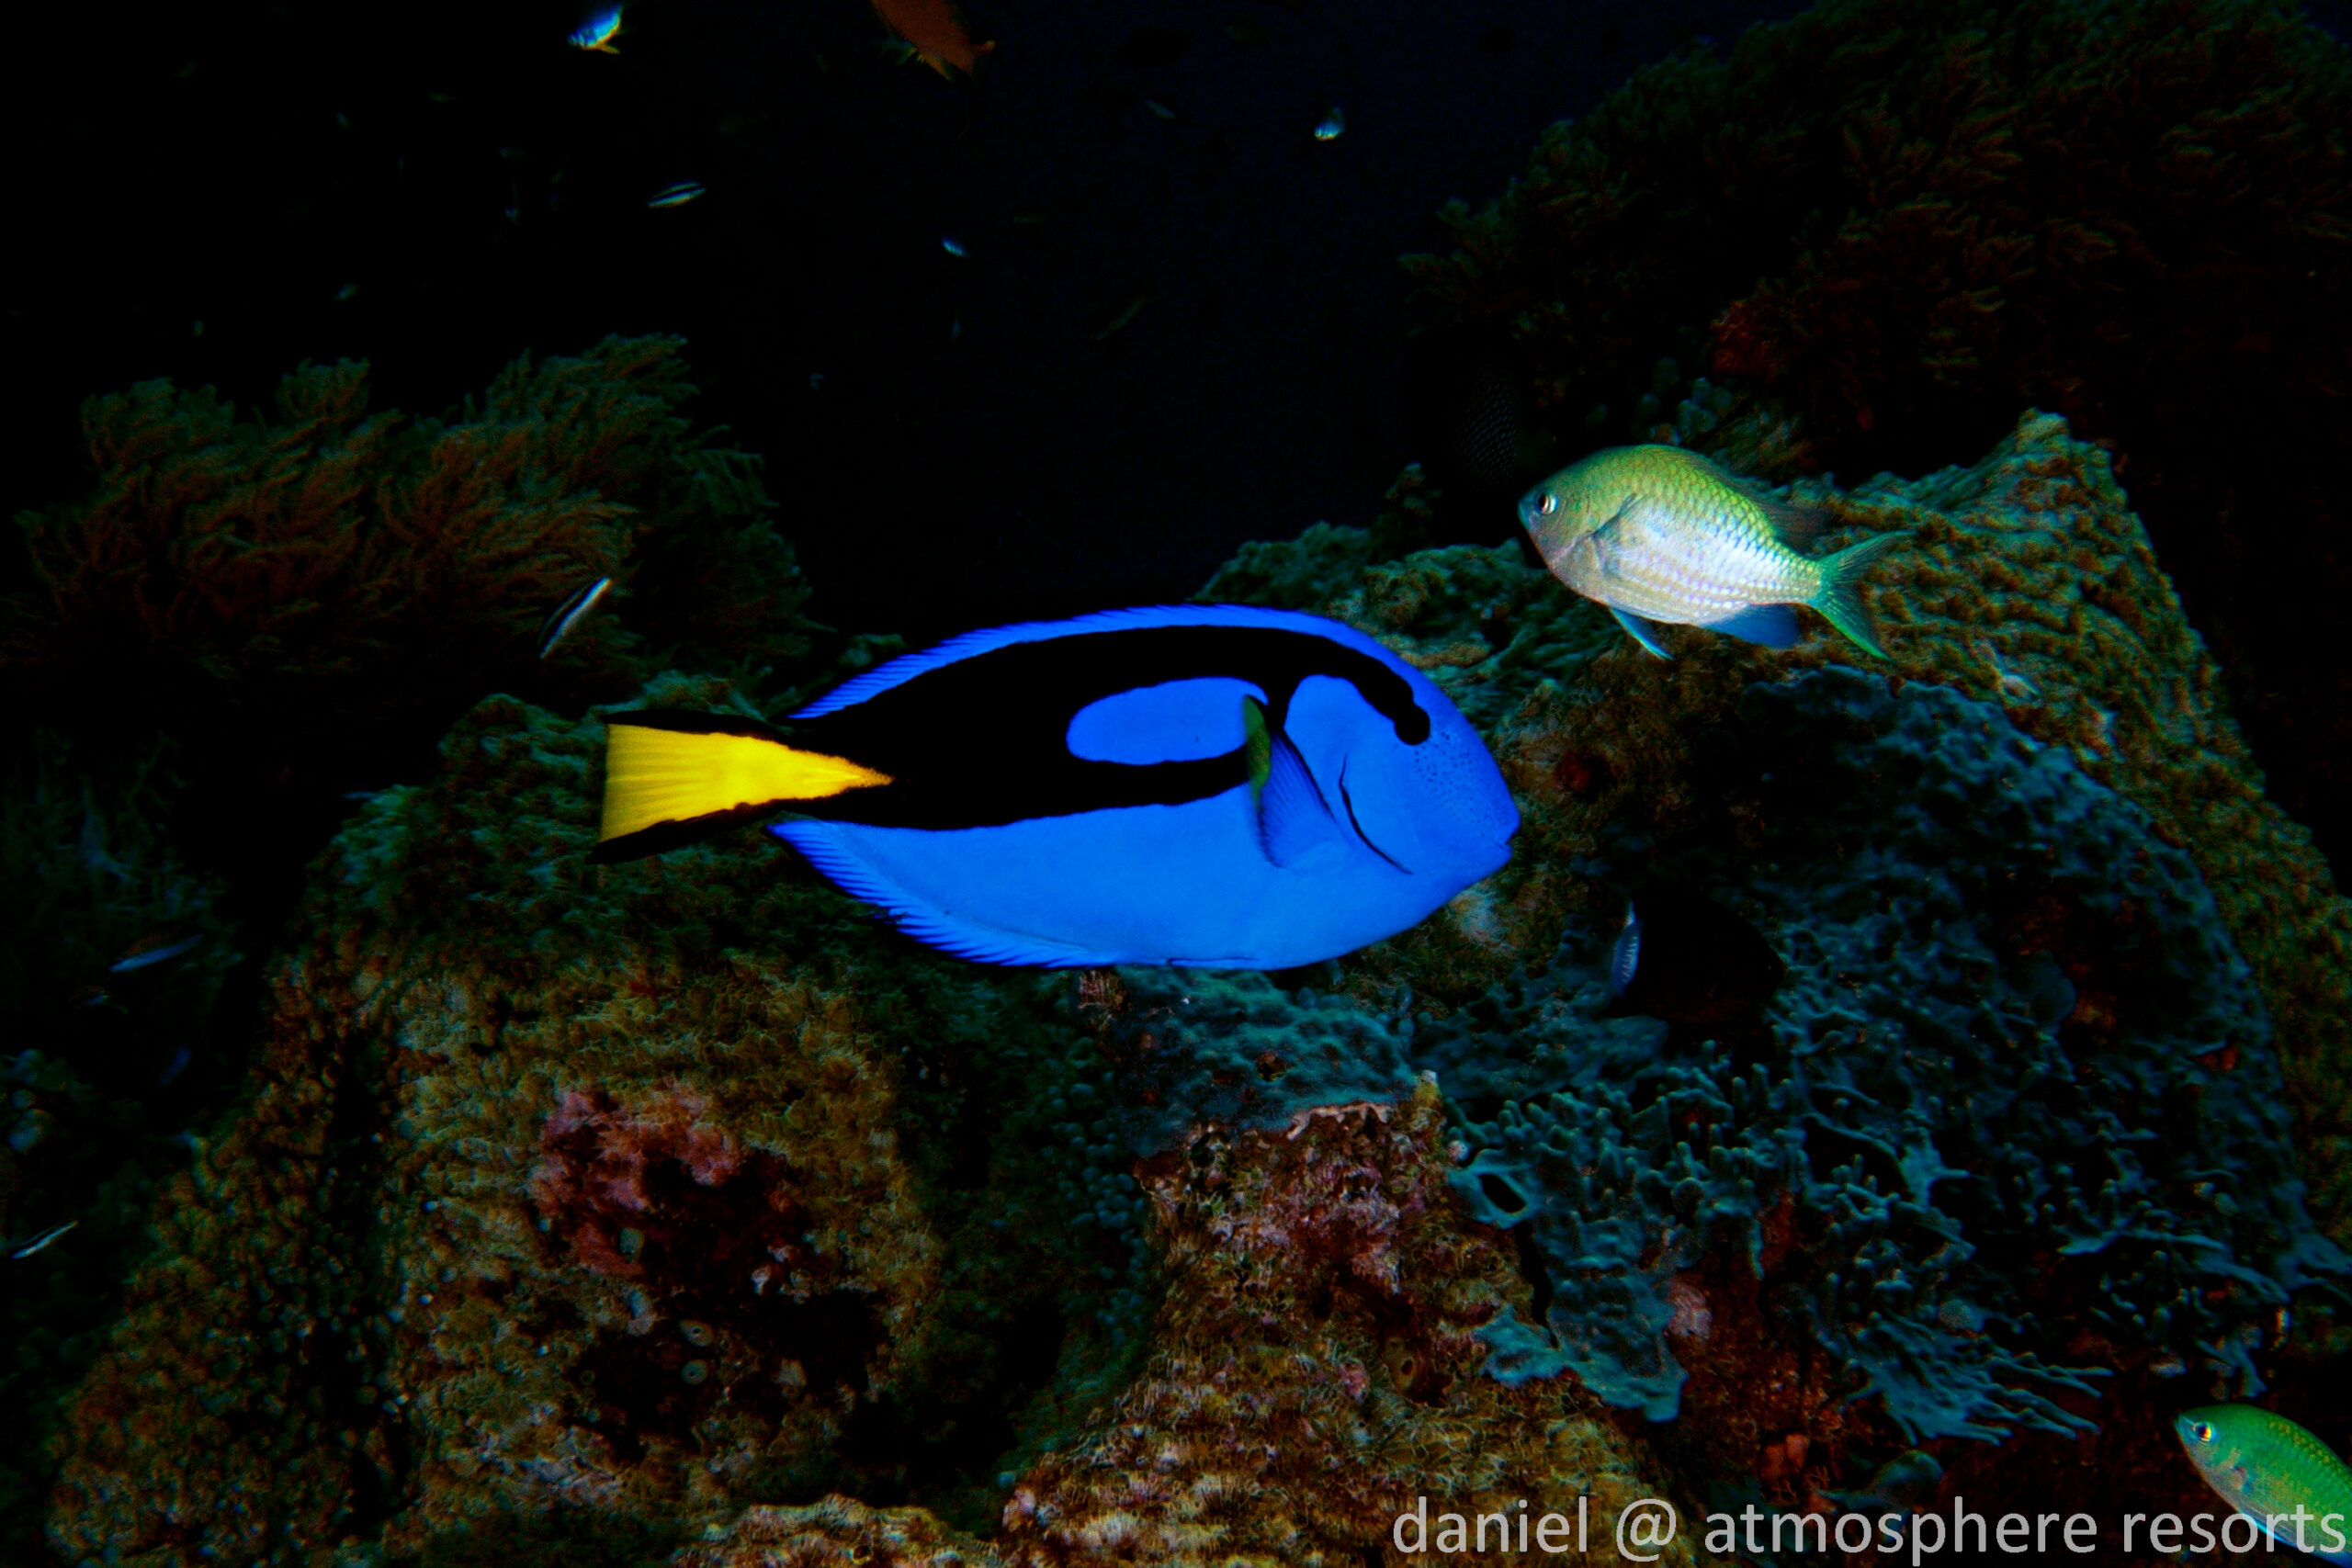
[{"x": 1216, "y": 785}]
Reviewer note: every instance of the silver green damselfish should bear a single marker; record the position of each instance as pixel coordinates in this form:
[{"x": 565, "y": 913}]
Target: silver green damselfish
[
  {"x": 2275, "y": 1473},
  {"x": 1659, "y": 533}
]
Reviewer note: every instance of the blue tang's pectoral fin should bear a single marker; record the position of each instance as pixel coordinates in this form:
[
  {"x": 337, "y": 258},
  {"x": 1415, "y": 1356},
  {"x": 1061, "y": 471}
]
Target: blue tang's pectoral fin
[
  {"x": 1641, "y": 631},
  {"x": 1774, "y": 625},
  {"x": 1294, "y": 819}
]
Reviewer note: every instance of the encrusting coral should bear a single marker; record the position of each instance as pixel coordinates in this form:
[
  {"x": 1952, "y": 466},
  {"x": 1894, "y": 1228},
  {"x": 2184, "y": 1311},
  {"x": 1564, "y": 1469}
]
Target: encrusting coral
[
  {"x": 1906, "y": 220},
  {"x": 651, "y": 1191},
  {"x": 1318, "y": 1373}
]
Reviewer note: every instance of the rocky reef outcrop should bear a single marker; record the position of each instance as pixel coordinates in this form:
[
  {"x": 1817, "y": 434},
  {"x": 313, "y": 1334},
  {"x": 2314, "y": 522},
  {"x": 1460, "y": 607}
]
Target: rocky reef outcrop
[{"x": 680, "y": 1207}]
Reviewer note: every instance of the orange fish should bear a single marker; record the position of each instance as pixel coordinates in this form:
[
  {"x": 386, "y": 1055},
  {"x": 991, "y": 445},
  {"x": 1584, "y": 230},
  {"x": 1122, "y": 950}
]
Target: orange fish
[{"x": 935, "y": 31}]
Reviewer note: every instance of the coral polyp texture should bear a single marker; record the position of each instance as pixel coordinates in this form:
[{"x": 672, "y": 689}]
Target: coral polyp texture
[
  {"x": 682, "y": 1208},
  {"x": 1906, "y": 220},
  {"x": 306, "y": 599},
  {"x": 2028, "y": 585},
  {"x": 662, "y": 1189},
  {"x": 1319, "y": 1367}
]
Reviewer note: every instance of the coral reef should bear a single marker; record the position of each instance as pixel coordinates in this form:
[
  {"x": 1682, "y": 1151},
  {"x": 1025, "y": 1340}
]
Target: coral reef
[
  {"x": 306, "y": 601},
  {"x": 1908, "y": 219},
  {"x": 117, "y": 973},
  {"x": 648, "y": 1192},
  {"x": 1319, "y": 1367},
  {"x": 2027, "y": 585},
  {"x": 684, "y": 1207}
]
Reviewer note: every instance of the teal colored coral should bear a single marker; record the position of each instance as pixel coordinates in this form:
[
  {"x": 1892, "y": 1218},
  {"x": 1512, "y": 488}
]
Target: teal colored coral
[{"x": 2013, "y": 1028}]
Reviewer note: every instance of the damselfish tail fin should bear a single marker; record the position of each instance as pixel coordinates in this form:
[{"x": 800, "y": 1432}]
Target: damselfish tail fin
[
  {"x": 672, "y": 778},
  {"x": 1841, "y": 576}
]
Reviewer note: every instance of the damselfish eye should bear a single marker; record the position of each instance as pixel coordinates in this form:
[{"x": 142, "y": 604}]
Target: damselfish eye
[
  {"x": 2201, "y": 1430},
  {"x": 1551, "y": 504}
]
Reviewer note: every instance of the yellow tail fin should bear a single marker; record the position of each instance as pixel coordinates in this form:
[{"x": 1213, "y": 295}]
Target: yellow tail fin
[{"x": 671, "y": 778}]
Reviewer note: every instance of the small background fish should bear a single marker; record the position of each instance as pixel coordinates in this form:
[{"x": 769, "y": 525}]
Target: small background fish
[
  {"x": 936, "y": 31},
  {"x": 1661, "y": 535},
  {"x": 2263, "y": 1465},
  {"x": 1685, "y": 958},
  {"x": 597, "y": 30}
]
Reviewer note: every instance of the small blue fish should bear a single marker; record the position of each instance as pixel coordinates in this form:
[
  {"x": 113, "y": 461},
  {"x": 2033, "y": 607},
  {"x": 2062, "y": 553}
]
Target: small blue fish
[
  {"x": 597, "y": 30},
  {"x": 677, "y": 194},
  {"x": 40, "y": 1243},
  {"x": 570, "y": 614},
  {"x": 952, "y": 245},
  {"x": 1216, "y": 785},
  {"x": 1686, "y": 959},
  {"x": 146, "y": 956},
  {"x": 1332, "y": 125}
]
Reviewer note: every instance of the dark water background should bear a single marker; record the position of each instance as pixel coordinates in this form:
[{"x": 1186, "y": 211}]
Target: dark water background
[
  {"x": 185, "y": 165},
  {"x": 952, "y": 445}
]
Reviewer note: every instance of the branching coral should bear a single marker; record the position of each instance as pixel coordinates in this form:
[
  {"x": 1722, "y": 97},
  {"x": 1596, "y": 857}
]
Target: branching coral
[
  {"x": 2137, "y": 216},
  {"x": 308, "y": 600}
]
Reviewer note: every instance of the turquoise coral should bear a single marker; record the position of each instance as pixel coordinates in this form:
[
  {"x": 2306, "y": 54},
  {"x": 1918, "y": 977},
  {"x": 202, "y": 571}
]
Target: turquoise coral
[{"x": 2010, "y": 1030}]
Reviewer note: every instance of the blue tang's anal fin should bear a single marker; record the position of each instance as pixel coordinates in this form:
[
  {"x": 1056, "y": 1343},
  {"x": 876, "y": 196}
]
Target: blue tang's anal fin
[{"x": 1641, "y": 631}]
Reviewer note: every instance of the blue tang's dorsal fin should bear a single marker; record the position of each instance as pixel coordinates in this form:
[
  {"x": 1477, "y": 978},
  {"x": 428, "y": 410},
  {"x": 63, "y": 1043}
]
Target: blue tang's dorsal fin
[{"x": 906, "y": 667}]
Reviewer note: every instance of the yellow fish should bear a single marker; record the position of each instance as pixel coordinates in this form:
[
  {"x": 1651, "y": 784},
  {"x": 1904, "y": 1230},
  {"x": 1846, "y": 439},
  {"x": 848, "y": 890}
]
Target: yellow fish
[{"x": 1659, "y": 533}]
